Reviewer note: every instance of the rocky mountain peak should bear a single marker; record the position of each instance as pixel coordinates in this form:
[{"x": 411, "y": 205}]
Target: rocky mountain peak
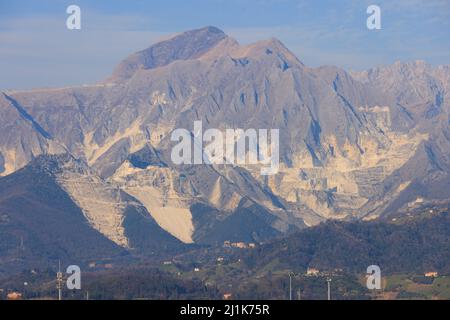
[{"x": 183, "y": 46}]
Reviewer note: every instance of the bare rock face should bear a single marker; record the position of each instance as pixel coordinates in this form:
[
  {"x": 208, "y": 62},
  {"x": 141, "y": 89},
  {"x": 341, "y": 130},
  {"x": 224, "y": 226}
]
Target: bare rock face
[{"x": 352, "y": 145}]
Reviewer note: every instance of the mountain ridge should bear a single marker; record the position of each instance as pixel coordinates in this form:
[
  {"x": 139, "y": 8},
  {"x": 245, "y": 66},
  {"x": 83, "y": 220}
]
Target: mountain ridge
[{"x": 352, "y": 145}]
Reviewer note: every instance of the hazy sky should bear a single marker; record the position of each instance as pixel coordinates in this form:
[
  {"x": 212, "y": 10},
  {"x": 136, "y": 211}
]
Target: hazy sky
[{"x": 37, "y": 50}]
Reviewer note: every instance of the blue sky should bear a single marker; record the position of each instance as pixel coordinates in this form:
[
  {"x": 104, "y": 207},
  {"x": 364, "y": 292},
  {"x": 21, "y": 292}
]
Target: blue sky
[{"x": 36, "y": 49}]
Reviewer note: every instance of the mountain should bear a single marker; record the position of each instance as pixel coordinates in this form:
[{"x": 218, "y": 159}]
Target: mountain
[
  {"x": 353, "y": 145},
  {"x": 41, "y": 224}
]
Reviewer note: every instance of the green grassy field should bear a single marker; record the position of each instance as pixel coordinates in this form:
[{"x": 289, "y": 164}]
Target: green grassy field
[{"x": 409, "y": 287}]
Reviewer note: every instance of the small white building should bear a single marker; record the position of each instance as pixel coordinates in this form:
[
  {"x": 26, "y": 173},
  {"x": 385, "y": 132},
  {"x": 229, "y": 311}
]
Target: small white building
[
  {"x": 312, "y": 272},
  {"x": 433, "y": 274}
]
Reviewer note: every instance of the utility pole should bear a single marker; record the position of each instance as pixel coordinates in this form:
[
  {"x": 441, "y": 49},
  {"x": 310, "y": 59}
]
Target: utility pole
[
  {"x": 290, "y": 285},
  {"x": 292, "y": 274},
  {"x": 59, "y": 281},
  {"x": 329, "y": 289},
  {"x": 21, "y": 249}
]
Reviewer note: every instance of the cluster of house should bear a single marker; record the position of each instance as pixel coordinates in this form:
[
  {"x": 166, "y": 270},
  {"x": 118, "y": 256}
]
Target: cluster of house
[
  {"x": 313, "y": 272},
  {"x": 239, "y": 245},
  {"x": 13, "y": 295},
  {"x": 316, "y": 272},
  {"x": 100, "y": 265},
  {"x": 227, "y": 296}
]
